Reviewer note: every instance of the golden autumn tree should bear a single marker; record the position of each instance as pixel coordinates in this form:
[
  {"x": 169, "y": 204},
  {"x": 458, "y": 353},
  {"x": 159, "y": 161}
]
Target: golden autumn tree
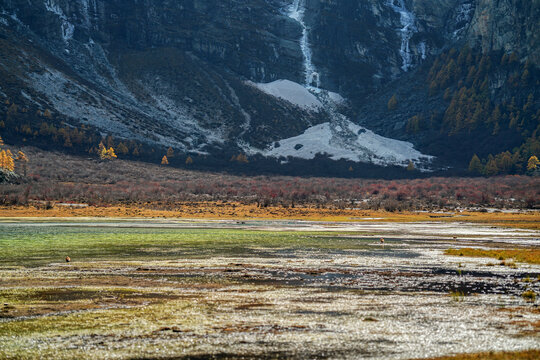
[
  {"x": 2, "y": 160},
  {"x": 189, "y": 160},
  {"x": 23, "y": 160},
  {"x": 6, "y": 161},
  {"x": 170, "y": 153},
  {"x": 106, "y": 154},
  {"x": 11, "y": 160},
  {"x": 111, "y": 154},
  {"x": 102, "y": 151},
  {"x": 533, "y": 163},
  {"x": 164, "y": 160}
]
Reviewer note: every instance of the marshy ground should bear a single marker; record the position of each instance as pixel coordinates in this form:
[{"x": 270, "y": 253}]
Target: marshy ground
[{"x": 142, "y": 289}]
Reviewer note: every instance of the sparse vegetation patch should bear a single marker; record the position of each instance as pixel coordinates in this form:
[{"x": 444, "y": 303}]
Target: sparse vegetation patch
[{"x": 530, "y": 256}]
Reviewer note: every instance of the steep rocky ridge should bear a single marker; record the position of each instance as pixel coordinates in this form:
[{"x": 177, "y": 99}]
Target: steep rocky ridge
[
  {"x": 508, "y": 25},
  {"x": 364, "y": 38},
  {"x": 166, "y": 71}
]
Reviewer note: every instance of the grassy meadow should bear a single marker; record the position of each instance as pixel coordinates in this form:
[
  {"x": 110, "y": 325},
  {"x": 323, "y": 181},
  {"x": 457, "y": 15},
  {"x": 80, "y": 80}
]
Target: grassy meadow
[{"x": 145, "y": 289}]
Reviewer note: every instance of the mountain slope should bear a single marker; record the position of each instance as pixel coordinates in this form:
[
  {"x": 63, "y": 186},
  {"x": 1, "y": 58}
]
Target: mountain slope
[{"x": 201, "y": 76}]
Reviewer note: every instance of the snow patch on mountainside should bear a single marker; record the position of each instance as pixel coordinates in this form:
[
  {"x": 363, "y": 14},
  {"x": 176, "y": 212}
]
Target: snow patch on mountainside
[
  {"x": 338, "y": 139},
  {"x": 122, "y": 116},
  {"x": 336, "y": 98},
  {"x": 178, "y": 118},
  {"x": 66, "y": 96},
  {"x": 292, "y": 92},
  {"x": 363, "y": 146}
]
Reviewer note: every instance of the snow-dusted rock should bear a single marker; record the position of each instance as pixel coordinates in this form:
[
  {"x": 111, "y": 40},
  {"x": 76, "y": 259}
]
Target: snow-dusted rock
[
  {"x": 345, "y": 140},
  {"x": 292, "y": 92}
]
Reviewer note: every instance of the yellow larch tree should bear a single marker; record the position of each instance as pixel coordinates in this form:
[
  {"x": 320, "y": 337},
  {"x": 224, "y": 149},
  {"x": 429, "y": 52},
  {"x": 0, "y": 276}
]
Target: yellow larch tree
[
  {"x": 6, "y": 160},
  {"x": 23, "y": 159},
  {"x": 533, "y": 163},
  {"x": 106, "y": 154},
  {"x": 111, "y": 154}
]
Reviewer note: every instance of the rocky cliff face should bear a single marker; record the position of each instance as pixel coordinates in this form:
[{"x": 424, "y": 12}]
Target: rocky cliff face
[
  {"x": 254, "y": 40},
  {"x": 508, "y": 25},
  {"x": 171, "y": 72},
  {"x": 184, "y": 72},
  {"x": 378, "y": 40}
]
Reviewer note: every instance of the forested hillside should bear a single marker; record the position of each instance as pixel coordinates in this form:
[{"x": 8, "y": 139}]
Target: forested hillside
[{"x": 488, "y": 96}]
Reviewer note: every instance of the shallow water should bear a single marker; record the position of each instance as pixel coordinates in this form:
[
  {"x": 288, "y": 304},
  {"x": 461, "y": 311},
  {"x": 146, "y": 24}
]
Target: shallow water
[{"x": 260, "y": 289}]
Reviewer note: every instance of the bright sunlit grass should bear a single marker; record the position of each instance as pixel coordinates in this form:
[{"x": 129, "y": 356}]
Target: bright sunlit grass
[
  {"x": 530, "y": 256},
  {"x": 520, "y": 355},
  {"x": 43, "y": 244}
]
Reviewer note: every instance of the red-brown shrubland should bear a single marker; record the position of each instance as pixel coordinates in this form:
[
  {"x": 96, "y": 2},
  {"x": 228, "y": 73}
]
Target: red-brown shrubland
[{"x": 56, "y": 177}]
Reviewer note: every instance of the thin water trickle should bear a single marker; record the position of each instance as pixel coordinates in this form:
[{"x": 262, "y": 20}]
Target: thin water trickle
[
  {"x": 312, "y": 77},
  {"x": 407, "y": 31}
]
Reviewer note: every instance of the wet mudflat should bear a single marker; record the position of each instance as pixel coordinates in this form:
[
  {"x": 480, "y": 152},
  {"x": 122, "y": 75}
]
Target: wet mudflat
[{"x": 224, "y": 290}]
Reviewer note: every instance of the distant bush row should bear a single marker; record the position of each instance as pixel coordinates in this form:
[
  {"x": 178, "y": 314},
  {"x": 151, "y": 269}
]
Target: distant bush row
[{"x": 51, "y": 177}]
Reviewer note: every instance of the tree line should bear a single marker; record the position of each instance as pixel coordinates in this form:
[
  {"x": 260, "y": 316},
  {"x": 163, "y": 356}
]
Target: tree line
[{"x": 490, "y": 95}]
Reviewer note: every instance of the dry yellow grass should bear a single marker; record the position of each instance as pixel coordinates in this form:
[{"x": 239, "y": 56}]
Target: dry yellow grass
[
  {"x": 530, "y": 256},
  {"x": 520, "y": 355},
  {"x": 231, "y": 210}
]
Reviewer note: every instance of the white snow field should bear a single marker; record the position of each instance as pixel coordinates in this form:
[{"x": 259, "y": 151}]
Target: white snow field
[
  {"x": 292, "y": 92},
  {"x": 363, "y": 145}
]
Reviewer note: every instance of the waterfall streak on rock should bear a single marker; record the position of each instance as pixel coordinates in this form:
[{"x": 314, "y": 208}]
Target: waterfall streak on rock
[
  {"x": 407, "y": 20},
  {"x": 296, "y": 12}
]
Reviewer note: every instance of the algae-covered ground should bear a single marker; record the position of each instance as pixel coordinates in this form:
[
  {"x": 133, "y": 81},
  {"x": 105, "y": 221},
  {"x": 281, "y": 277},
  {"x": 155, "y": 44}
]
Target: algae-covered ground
[{"x": 140, "y": 289}]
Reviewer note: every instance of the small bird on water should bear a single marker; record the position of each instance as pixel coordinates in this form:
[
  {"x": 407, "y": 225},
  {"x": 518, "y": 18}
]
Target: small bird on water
[{"x": 68, "y": 259}]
